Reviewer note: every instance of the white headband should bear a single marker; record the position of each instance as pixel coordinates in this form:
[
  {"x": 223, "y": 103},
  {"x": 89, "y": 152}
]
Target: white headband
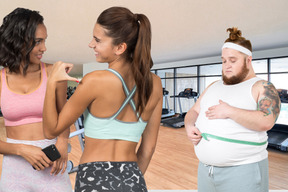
[{"x": 237, "y": 47}]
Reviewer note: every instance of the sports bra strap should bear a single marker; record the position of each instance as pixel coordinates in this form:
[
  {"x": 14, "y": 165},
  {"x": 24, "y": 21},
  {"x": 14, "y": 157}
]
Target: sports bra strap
[
  {"x": 124, "y": 103},
  {"x": 129, "y": 95},
  {"x": 124, "y": 85}
]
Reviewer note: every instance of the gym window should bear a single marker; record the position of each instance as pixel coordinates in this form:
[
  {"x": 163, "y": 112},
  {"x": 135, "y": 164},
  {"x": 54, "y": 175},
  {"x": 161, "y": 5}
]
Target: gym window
[{"x": 198, "y": 77}]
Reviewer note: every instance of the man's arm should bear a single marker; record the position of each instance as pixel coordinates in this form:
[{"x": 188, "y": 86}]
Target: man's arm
[
  {"x": 191, "y": 116},
  {"x": 192, "y": 132},
  {"x": 261, "y": 119}
]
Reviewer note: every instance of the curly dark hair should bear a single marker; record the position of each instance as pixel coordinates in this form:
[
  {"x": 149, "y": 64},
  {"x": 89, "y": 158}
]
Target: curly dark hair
[{"x": 17, "y": 38}]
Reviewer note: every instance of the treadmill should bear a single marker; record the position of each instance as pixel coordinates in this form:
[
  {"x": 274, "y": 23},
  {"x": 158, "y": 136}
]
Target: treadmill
[
  {"x": 166, "y": 112},
  {"x": 278, "y": 135},
  {"x": 178, "y": 122}
]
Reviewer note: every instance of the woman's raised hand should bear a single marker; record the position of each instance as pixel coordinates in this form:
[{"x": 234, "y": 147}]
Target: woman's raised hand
[{"x": 60, "y": 72}]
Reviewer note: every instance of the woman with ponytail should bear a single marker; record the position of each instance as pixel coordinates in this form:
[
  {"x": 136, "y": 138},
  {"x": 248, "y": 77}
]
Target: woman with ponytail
[{"x": 124, "y": 105}]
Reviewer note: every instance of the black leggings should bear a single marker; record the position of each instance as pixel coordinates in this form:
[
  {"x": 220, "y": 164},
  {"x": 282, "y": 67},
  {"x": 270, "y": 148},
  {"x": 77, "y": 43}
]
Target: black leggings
[{"x": 110, "y": 176}]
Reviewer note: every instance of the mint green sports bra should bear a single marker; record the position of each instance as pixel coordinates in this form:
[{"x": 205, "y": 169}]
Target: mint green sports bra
[{"x": 112, "y": 128}]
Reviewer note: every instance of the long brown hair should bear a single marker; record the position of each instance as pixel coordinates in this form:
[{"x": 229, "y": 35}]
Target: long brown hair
[
  {"x": 134, "y": 30},
  {"x": 235, "y": 36}
]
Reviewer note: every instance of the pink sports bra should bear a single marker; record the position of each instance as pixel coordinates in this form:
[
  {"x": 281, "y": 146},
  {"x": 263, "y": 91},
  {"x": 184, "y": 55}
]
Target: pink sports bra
[{"x": 20, "y": 109}]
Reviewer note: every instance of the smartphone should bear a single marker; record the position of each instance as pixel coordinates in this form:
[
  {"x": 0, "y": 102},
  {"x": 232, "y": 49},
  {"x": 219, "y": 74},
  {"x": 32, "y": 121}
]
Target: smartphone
[{"x": 51, "y": 152}]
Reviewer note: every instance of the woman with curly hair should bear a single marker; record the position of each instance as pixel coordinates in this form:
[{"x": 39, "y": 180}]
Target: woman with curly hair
[{"x": 23, "y": 79}]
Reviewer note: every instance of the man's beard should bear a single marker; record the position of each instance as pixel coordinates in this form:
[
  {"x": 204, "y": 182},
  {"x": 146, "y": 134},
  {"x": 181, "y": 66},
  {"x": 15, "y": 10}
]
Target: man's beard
[{"x": 236, "y": 78}]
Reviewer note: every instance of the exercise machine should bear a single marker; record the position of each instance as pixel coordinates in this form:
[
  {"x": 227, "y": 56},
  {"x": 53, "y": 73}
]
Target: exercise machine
[
  {"x": 80, "y": 134},
  {"x": 278, "y": 135},
  {"x": 166, "y": 112},
  {"x": 178, "y": 122}
]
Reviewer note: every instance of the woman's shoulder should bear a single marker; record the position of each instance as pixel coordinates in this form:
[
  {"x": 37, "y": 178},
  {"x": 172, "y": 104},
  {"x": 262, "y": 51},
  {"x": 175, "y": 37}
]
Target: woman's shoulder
[
  {"x": 98, "y": 82},
  {"x": 48, "y": 67},
  {"x": 102, "y": 77},
  {"x": 1, "y": 71},
  {"x": 96, "y": 75},
  {"x": 157, "y": 86},
  {"x": 156, "y": 80}
]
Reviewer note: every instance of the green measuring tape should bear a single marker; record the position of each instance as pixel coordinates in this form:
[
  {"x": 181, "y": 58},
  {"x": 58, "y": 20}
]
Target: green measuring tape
[{"x": 206, "y": 135}]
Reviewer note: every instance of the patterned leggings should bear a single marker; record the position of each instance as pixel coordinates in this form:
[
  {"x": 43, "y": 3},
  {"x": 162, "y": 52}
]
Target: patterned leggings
[{"x": 110, "y": 176}]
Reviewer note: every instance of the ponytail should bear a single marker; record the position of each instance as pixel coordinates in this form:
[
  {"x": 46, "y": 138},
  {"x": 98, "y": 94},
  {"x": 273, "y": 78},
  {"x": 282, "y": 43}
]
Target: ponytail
[
  {"x": 134, "y": 30},
  {"x": 142, "y": 62}
]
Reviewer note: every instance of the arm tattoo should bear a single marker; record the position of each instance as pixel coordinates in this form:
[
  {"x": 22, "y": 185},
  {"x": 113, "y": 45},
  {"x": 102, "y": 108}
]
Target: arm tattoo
[
  {"x": 265, "y": 105},
  {"x": 270, "y": 103}
]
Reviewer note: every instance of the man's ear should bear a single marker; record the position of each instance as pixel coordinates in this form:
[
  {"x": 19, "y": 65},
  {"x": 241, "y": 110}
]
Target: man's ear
[
  {"x": 249, "y": 60},
  {"x": 121, "y": 48}
]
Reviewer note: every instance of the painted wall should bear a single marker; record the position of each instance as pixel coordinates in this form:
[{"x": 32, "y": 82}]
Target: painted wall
[{"x": 88, "y": 67}]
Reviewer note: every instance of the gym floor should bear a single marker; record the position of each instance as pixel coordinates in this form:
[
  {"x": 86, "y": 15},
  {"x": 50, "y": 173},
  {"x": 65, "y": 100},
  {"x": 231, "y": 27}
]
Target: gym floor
[{"x": 174, "y": 164}]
